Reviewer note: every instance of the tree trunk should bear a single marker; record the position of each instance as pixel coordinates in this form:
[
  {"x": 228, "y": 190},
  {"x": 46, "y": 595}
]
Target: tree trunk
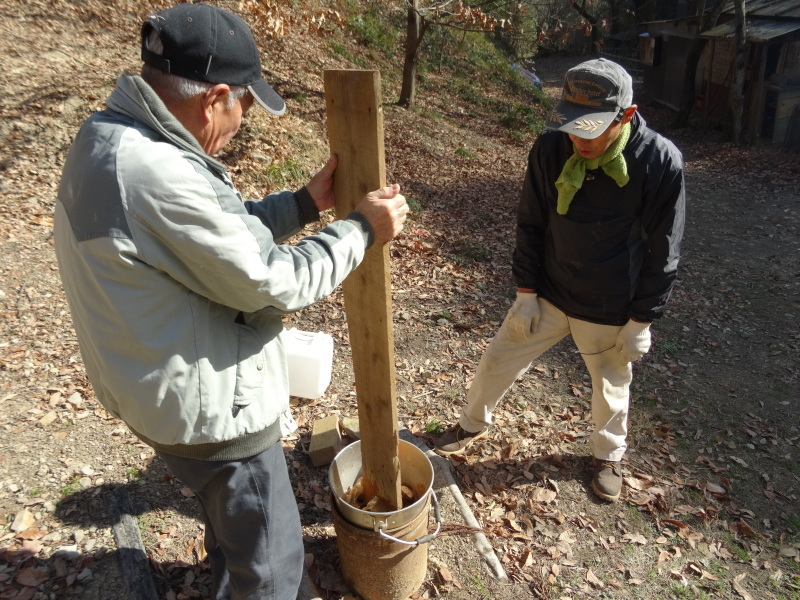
[
  {"x": 737, "y": 89},
  {"x": 617, "y": 16},
  {"x": 581, "y": 10},
  {"x": 415, "y": 30}
]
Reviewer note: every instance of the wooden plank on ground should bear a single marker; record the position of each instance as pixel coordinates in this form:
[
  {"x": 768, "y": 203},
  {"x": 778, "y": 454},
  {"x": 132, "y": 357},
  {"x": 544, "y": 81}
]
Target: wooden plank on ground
[
  {"x": 355, "y": 132},
  {"x": 133, "y": 560}
]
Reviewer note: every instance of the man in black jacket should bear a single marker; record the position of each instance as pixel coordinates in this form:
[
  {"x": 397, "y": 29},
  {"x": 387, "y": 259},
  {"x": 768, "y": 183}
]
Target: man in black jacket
[{"x": 599, "y": 229}]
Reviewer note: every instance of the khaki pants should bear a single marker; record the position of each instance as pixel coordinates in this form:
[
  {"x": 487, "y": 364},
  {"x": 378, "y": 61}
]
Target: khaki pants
[{"x": 509, "y": 356}]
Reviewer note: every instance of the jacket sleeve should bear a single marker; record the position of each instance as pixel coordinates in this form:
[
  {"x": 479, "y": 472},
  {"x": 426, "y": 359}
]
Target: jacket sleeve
[
  {"x": 284, "y": 213},
  {"x": 663, "y": 220},
  {"x": 194, "y": 228},
  {"x": 531, "y": 221}
]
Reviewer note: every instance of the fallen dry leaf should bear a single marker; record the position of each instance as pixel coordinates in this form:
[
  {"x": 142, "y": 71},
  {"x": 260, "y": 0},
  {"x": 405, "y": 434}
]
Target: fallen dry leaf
[
  {"x": 31, "y": 577},
  {"x": 542, "y": 495},
  {"x": 527, "y": 559},
  {"x": 634, "y": 538},
  {"x": 739, "y": 588},
  {"x": 743, "y": 528},
  {"x": 592, "y": 580},
  {"x": 23, "y": 520},
  {"x": 49, "y": 418},
  {"x": 677, "y": 575}
]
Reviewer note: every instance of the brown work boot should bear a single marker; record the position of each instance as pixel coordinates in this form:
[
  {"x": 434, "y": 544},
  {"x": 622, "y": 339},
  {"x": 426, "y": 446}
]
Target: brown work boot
[
  {"x": 607, "y": 480},
  {"x": 455, "y": 440}
]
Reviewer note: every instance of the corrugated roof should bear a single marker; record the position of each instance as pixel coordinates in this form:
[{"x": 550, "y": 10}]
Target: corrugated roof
[
  {"x": 769, "y": 8},
  {"x": 758, "y": 30}
]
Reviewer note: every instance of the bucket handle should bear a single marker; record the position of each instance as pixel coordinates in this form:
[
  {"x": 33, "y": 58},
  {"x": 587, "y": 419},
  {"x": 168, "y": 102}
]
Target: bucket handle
[{"x": 381, "y": 525}]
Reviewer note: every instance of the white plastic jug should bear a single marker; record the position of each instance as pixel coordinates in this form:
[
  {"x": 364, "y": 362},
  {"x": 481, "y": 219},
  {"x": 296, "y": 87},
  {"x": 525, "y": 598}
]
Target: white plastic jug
[{"x": 310, "y": 358}]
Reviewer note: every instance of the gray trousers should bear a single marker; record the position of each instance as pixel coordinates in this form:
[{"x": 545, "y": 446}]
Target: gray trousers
[
  {"x": 509, "y": 356},
  {"x": 252, "y": 526}
]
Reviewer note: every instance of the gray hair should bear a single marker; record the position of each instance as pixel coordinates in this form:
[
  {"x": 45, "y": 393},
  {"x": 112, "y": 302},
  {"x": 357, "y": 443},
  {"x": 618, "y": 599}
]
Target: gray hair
[{"x": 179, "y": 88}]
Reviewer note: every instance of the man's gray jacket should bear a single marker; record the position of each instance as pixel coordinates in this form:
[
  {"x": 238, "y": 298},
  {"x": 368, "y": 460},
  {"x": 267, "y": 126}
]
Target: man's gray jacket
[{"x": 177, "y": 287}]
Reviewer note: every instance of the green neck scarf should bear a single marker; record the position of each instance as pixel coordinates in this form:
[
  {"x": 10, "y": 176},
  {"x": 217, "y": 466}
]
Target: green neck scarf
[{"x": 612, "y": 162}]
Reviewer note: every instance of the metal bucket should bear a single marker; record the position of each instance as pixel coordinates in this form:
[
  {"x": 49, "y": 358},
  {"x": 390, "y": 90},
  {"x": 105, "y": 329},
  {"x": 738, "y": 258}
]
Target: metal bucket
[
  {"x": 384, "y": 556},
  {"x": 416, "y": 472}
]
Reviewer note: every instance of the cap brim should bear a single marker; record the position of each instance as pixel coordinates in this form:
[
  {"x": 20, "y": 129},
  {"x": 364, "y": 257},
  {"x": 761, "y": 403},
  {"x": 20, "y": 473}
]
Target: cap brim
[
  {"x": 581, "y": 121},
  {"x": 267, "y": 97}
]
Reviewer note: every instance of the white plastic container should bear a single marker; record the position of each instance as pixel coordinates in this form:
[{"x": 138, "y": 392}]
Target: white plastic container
[{"x": 310, "y": 358}]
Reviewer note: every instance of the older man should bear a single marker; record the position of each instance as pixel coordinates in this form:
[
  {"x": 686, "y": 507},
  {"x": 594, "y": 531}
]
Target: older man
[
  {"x": 177, "y": 287},
  {"x": 599, "y": 230}
]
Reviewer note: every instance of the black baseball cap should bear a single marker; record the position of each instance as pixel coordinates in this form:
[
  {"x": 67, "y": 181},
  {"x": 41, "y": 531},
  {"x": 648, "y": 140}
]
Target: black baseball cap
[
  {"x": 205, "y": 43},
  {"x": 595, "y": 93}
]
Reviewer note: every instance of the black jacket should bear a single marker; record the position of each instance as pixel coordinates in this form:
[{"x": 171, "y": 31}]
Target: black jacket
[{"x": 614, "y": 255}]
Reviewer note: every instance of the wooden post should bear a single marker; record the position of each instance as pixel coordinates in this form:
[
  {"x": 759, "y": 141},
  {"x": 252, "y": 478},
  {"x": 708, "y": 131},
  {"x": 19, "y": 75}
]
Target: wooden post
[{"x": 355, "y": 132}]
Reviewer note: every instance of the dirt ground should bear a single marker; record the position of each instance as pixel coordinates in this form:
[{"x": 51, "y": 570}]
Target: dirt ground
[{"x": 711, "y": 507}]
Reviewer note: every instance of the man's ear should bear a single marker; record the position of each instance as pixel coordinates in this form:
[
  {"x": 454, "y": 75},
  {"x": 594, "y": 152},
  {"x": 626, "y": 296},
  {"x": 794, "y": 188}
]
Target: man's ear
[
  {"x": 213, "y": 96},
  {"x": 628, "y": 114}
]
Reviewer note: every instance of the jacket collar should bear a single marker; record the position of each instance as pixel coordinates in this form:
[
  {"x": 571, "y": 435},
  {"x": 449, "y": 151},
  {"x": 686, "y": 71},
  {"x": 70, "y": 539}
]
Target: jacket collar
[{"x": 134, "y": 98}]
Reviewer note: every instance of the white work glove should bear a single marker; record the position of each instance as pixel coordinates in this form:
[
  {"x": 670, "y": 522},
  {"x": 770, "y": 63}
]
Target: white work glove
[
  {"x": 523, "y": 317},
  {"x": 633, "y": 340}
]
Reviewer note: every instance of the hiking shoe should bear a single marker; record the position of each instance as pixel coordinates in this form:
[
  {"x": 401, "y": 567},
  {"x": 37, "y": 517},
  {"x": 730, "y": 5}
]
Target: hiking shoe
[
  {"x": 455, "y": 440},
  {"x": 607, "y": 480}
]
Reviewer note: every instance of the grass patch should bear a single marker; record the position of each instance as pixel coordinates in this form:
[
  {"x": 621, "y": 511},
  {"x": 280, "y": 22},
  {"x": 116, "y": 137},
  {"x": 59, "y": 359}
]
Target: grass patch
[
  {"x": 670, "y": 347},
  {"x": 740, "y": 553},
  {"x": 414, "y": 205},
  {"x": 342, "y": 51},
  {"x": 298, "y": 97},
  {"x": 468, "y": 251},
  {"x": 375, "y": 31},
  {"x": 285, "y": 174},
  {"x": 466, "y": 92},
  {"x": 464, "y": 153},
  {"x": 678, "y": 591},
  {"x": 794, "y": 523},
  {"x": 430, "y": 114},
  {"x": 465, "y": 58},
  {"x": 521, "y": 120},
  {"x": 480, "y": 585},
  {"x": 435, "y": 427},
  {"x": 72, "y": 487}
]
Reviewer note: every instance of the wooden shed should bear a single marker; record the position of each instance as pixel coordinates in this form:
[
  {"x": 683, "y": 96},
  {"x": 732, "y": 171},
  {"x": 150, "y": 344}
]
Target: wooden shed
[
  {"x": 772, "y": 73},
  {"x": 772, "y": 81},
  {"x": 664, "y": 47}
]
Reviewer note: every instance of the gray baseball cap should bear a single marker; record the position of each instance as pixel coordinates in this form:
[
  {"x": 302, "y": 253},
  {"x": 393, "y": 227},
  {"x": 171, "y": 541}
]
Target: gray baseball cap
[{"x": 595, "y": 92}]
